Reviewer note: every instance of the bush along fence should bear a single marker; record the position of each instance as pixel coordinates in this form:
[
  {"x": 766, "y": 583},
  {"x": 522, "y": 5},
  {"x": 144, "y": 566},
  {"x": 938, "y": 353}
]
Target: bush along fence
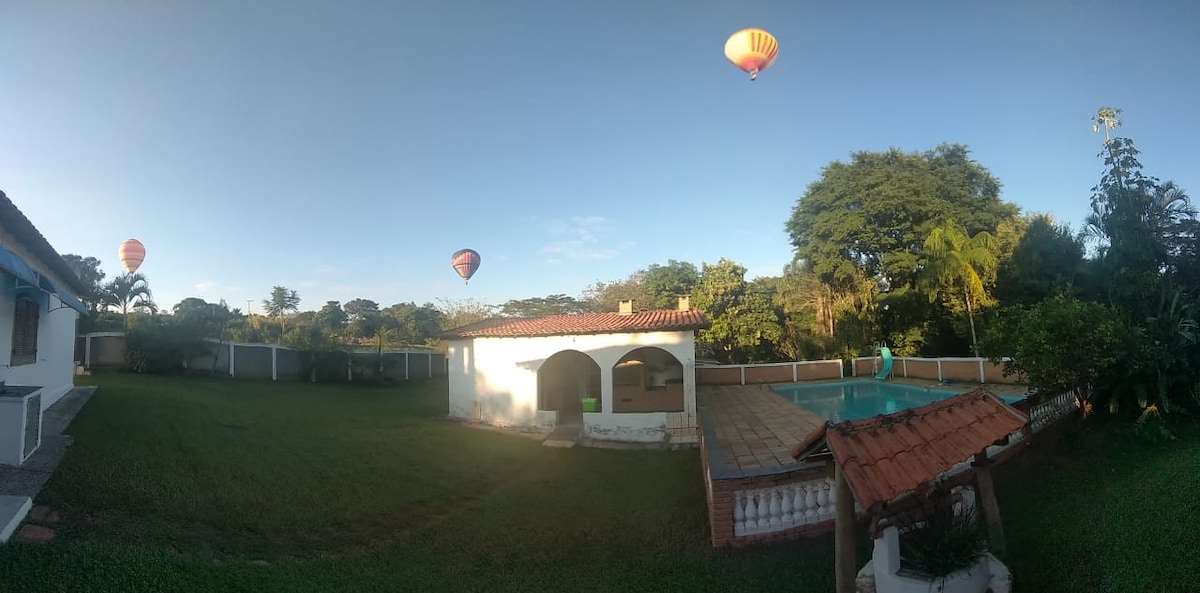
[{"x": 271, "y": 362}]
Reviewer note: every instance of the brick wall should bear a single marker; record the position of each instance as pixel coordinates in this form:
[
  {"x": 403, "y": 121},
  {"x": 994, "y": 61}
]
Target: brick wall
[
  {"x": 719, "y": 494},
  {"x": 753, "y": 374}
]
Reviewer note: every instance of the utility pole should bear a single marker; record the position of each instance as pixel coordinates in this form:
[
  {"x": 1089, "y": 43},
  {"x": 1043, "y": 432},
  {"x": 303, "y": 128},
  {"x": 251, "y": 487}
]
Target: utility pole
[{"x": 248, "y": 304}]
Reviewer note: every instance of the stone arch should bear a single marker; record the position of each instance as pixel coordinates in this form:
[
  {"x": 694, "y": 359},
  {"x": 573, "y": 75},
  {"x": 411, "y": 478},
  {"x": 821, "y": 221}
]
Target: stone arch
[
  {"x": 565, "y": 380},
  {"x": 648, "y": 379}
]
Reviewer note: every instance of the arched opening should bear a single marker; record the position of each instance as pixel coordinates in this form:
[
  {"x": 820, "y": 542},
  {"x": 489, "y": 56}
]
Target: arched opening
[
  {"x": 648, "y": 379},
  {"x": 569, "y": 383}
]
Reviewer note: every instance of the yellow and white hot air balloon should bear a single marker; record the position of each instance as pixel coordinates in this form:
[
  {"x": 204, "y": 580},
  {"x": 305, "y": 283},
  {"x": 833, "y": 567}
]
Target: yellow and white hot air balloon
[
  {"x": 752, "y": 50},
  {"x": 132, "y": 254}
]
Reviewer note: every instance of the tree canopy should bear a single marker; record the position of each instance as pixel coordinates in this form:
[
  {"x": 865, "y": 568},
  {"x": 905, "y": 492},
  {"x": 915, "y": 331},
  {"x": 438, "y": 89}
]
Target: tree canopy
[{"x": 873, "y": 214}]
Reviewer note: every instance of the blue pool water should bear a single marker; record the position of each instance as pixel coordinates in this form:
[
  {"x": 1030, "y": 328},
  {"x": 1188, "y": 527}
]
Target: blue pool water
[{"x": 852, "y": 400}]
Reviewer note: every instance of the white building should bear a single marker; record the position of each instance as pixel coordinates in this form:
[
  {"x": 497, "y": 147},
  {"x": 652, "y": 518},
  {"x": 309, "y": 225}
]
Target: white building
[
  {"x": 39, "y": 313},
  {"x": 624, "y": 376}
]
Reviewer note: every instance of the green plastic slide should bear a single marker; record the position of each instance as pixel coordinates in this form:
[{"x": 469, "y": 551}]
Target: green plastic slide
[{"x": 886, "y": 354}]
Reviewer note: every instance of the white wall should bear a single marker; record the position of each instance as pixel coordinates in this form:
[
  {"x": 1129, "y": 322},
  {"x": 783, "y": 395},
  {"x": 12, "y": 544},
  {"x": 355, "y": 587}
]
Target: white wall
[
  {"x": 494, "y": 380},
  {"x": 54, "y": 370}
]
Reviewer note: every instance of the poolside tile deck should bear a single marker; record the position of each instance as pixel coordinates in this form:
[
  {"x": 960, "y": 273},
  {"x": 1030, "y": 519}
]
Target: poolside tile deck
[{"x": 751, "y": 429}]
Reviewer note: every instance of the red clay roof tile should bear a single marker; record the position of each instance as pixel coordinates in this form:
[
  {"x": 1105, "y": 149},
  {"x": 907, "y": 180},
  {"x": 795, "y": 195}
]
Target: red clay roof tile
[
  {"x": 582, "y": 323},
  {"x": 887, "y": 456}
]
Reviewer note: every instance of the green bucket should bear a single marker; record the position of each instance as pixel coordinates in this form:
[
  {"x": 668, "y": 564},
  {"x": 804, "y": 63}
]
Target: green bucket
[{"x": 591, "y": 404}]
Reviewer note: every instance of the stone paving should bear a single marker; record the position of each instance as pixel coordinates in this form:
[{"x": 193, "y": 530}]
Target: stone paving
[{"x": 753, "y": 428}]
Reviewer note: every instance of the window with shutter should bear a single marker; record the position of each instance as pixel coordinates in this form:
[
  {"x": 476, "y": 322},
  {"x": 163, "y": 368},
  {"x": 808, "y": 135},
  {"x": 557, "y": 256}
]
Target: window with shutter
[{"x": 25, "y": 332}]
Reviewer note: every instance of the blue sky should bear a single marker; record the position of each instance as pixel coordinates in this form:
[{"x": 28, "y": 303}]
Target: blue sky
[{"x": 346, "y": 149}]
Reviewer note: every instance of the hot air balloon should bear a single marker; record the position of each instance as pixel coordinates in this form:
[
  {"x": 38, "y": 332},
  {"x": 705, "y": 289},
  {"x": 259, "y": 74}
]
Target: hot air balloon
[
  {"x": 465, "y": 262},
  {"x": 132, "y": 254},
  {"x": 752, "y": 50}
]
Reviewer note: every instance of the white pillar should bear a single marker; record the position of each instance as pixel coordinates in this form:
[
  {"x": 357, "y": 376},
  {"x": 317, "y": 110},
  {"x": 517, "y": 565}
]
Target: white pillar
[
  {"x": 886, "y": 556},
  {"x": 982, "y": 377},
  {"x": 87, "y": 351},
  {"x": 606, "y": 389},
  {"x": 689, "y": 385}
]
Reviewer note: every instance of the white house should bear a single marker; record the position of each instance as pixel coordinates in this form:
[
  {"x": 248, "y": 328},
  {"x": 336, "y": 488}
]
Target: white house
[
  {"x": 625, "y": 375},
  {"x": 39, "y": 312}
]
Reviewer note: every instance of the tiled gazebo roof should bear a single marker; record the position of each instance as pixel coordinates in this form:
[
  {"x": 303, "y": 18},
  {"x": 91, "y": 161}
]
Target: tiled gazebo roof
[
  {"x": 885, "y": 457},
  {"x": 581, "y": 324}
]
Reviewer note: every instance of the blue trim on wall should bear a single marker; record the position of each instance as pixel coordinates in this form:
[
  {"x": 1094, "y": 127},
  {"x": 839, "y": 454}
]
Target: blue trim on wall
[
  {"x": 12, "y": 265},
  {"x": 67, "y": 298}
]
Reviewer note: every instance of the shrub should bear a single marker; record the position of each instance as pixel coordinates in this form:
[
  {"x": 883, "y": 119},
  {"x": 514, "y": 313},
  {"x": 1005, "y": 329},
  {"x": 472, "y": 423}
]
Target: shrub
[
  {"x": 937, "y": 541},
  {"x": 1058, "y": 344}
]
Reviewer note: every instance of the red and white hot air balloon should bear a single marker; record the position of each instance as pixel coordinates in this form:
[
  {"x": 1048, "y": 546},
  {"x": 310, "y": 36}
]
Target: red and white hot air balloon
[
  {"x": 465, "y": 262},
  {"x": 132, "y": 254},
  {"x": 752, "y": 50}
]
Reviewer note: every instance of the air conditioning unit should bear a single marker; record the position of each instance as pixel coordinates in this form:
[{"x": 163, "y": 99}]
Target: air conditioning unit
[{"x": 20, "y": 423}]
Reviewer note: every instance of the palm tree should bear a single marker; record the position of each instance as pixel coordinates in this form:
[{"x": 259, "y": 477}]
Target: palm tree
[
  {"x": 957, "y": 260},
  {"x": 282, "y": 302},
  {"x": 128, "y": 291}
]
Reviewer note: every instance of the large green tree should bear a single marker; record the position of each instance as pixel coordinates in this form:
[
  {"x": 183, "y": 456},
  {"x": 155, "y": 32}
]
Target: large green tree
[
  {"x": 862, "y": 226},
  {"x": 460, "y": 312},
  {"x": 331, "y": 317},
  {"x": 741, "y": 318},
  {"x": 1048, "y": 261},
  {"x": 664, "y": 283},
  {"x": 91, "y": 276},
  {"x": 657, "y": 286},
  {"x": 365, "y": 320},
  {"x": 413, "y": 324},
  {"x": 873, "y": 213},
  {"x": 555, "y": 304},
  {"x": 606, "y": 296}
]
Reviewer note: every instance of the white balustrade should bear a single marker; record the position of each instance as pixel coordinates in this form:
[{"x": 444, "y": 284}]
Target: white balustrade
[
  {"x": 766, "y": 510},
  {"x": 1052, "y": 409}
]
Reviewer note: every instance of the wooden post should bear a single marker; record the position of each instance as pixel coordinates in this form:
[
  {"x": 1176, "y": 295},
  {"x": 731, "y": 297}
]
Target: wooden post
[
  {"x": 845, "y": 559},
  {"x": 991, "y": 509}
]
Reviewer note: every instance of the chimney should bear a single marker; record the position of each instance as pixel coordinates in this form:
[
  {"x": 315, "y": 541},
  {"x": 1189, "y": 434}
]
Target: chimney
[
  {"x": 685, "y": 302},
  {"x": 625, "y": 307}
]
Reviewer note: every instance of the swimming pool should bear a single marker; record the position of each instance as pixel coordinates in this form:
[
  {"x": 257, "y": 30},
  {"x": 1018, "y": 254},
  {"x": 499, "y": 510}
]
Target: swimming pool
[{"x": 852, "y": 400}]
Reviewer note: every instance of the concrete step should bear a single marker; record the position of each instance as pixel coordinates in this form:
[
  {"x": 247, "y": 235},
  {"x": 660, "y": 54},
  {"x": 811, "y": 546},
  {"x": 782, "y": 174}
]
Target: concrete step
[
  {"x": 564, "y": 436},
  {"x": 13, "y": 510}
]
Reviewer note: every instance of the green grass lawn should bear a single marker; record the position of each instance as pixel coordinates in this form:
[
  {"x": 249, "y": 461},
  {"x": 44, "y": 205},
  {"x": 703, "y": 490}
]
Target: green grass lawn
[{"x": 181, "y": 485}]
